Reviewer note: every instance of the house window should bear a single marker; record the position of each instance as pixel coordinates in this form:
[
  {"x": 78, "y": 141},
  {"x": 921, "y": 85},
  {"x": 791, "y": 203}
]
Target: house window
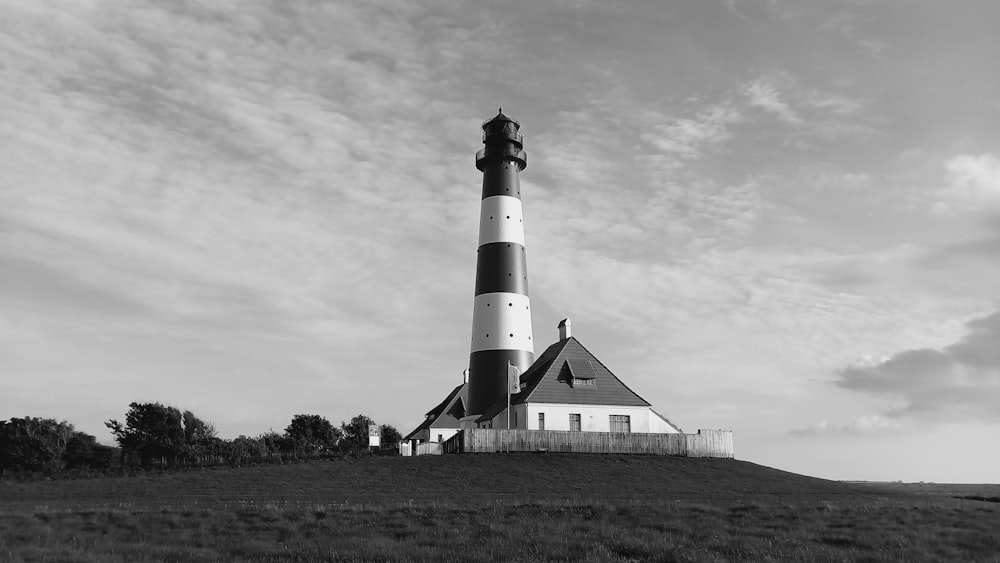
[
  {"x": 440, "y": 437},
  {"x": 541, "y": 421},
  {"x": 620, "y": 423},
  {"x": 574, "y": 422}
]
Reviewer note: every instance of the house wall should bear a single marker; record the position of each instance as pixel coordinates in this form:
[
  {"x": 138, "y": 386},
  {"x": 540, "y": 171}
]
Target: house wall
[
  {"x": 500, "y": 420},
  {"x": 432, "y": 434},
  {"x": 593, "y": 418},
  {"x": 660, "y": 425},
  {"x": 444, "y": 432}
]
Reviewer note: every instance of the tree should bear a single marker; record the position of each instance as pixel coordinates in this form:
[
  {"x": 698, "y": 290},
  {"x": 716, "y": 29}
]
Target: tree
[
  {"x": 356, "y": 431},
  {"x": 83, "y": 452},
  {"x": 311, "y": 433},
  {"x": 197, "y": 431},
  {"x": 244, "y": 449},
  {"x": 151, "y": 431},
  {"x": 274, "y": 443},
  {"x": 200, "y": 438},
  {"x": 390, "y": 436},
  {"x": 34, "y": 444}
]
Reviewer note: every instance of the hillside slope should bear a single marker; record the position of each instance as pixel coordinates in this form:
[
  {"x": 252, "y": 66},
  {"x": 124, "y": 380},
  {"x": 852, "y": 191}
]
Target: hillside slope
[{"x": 463, "y": 479}]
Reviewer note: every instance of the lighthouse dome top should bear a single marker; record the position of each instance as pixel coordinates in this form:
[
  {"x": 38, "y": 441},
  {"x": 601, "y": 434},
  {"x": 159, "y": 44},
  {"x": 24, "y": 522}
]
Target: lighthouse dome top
[
  {"x": 500, "y": 120},
  {"x": 503, "y": 142},
  {"x": 501, "y": 130}
]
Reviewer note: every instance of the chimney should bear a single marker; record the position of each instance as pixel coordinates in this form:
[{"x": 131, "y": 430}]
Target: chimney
[{"x": 564, "y": 329}]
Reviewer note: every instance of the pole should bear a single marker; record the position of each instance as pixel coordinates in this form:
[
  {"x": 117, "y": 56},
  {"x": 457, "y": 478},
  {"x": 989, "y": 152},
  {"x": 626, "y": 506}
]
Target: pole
[{"x": 508, "y": 395}]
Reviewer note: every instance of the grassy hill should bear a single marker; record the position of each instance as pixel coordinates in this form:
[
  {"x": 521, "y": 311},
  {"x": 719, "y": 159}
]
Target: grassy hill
[
  {"x": 566, "y": 507},
  {"x": 464, "y": 479}
]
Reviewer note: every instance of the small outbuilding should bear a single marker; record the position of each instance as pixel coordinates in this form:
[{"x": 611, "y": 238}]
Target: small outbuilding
[{"x": 442, "y": 422}]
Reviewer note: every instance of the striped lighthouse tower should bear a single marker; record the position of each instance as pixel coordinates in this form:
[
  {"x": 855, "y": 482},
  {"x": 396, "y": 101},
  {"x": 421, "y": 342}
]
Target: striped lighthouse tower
[{"x": 501, "y": 315}]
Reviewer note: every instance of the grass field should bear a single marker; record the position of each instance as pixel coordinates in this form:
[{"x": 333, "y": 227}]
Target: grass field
[{"x": 519, "y": 507}]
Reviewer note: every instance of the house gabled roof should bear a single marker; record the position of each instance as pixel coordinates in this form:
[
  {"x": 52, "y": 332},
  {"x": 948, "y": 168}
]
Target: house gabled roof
[
  {"x": 446, "y": 414},
  {"x": 568, "y": 373}
]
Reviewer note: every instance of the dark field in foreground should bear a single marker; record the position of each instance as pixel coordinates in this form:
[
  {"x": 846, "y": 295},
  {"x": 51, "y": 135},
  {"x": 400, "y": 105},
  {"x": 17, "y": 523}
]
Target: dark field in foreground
[{"x": 559, "y": 507}]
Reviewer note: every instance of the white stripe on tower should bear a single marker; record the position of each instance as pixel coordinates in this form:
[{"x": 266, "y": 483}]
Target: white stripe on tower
[
  {"x": 502, "y": 321},
  {"x": 501, "y": 220}
]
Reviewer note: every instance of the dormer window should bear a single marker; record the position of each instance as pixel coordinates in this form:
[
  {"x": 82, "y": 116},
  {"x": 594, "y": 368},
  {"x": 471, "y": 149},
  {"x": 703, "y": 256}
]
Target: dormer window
[{"x": 579, "y": 373}]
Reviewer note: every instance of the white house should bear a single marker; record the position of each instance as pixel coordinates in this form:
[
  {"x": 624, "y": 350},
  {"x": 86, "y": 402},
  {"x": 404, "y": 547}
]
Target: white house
[{"x": 566, "y": 388}]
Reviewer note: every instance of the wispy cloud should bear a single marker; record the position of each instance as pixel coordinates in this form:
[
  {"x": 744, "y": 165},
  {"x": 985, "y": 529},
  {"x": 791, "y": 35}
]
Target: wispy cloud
[
  {"x": 811, "y": 114},
  {"x": 676, "y": 139},
  {"x": 764, "y": 93},
  {"x": 850, "y": 22},
  {"x": 871, "y": 425}
]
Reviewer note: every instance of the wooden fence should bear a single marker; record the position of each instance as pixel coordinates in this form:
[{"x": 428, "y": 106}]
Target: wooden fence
[
  {"x": 706, "y": 443},
  {"x": 429, "y": 448}
]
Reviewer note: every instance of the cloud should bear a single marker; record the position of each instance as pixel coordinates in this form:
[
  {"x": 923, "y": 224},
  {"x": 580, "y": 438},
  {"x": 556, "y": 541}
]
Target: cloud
[
  {"x": 972, "y": 184},
  {"x": 731, "y": 7},
  {"x": 965, "y": 271},
  {"x": 850, "y": 24},
  {"x": 808, "y": 114},
  {"x": 27, "y": 281},
  {"x": 869, "y": 425},
  {"x": 764, "y": 93},
  {"x": 677, "y": 139},
  {"x": 960, "y": 382}
]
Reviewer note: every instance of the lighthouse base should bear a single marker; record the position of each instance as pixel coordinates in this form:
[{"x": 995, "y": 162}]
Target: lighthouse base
[{"x": 488, "y": 376}]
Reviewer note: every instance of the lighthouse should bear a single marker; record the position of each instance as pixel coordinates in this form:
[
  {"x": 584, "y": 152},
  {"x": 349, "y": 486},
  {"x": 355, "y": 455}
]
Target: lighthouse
[
  {"x": 504, "y": 387},
  {"x": 501, "y": 312}
]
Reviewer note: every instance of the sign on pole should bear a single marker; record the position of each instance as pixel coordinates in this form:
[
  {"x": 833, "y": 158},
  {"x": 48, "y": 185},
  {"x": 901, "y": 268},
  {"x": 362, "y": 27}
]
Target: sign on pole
[
  {"x": 513, "y": 379},
  {"x": 374, "y": 436},
  {"x": 513, "y": 386}
]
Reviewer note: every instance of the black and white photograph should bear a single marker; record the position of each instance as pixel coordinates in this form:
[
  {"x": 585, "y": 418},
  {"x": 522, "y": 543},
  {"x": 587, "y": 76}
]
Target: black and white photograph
[{"x": 568, "y": 280}]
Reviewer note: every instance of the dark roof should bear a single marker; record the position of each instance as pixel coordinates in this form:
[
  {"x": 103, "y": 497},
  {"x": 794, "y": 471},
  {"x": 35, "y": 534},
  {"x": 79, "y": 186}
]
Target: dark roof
[
  {"x": 551, "y": 380},
  {"x": 445, "y": 415}
]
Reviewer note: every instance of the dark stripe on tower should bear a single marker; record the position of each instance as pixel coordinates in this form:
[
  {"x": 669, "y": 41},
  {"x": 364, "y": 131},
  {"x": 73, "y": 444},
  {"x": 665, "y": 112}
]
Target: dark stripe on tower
[
  {"x": 491, "y": 383},
  {"x": 500, "y": 178},
  {"x": 501, "y": 266}
]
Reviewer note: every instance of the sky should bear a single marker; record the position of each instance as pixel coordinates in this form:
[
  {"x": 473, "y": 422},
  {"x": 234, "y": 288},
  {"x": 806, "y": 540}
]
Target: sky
[{"x": 780, "y": 217}]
